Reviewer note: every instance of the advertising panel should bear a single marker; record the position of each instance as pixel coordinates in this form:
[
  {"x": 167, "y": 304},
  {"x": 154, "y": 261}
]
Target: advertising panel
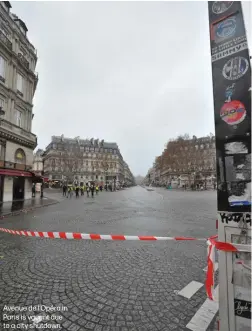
[
  {"x": 231, "y": 76},
  {"x": 231, "y": 72}
]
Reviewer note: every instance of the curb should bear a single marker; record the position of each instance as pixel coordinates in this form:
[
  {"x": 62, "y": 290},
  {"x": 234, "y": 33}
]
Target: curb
[{"x": 18, "y": 212}]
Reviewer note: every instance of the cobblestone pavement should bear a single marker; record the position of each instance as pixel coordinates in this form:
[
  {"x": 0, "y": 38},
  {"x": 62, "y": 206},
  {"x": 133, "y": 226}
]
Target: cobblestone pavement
[{"x": 108, "y": 285}]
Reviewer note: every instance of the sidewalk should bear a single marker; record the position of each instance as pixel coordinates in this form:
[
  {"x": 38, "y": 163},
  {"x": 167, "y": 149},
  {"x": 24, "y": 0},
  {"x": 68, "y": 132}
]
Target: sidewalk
[{"x": 16, "y": 207}]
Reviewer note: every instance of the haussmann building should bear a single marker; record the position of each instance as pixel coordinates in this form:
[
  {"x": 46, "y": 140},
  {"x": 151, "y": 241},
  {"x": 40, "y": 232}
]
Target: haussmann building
[{"x": 18, "y": 82}]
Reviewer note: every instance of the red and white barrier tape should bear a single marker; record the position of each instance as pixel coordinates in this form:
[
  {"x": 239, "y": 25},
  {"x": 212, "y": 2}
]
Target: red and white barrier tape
[
  {"x": 222, "y": 246},
  {"x": 76, "y": 235},
  {"x": 212, "y": 245}
]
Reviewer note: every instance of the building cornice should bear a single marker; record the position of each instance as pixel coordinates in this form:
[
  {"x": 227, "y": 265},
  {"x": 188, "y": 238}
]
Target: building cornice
[
  {"x": 11, "y": 136},
  {"x": 17, "y": 140}
]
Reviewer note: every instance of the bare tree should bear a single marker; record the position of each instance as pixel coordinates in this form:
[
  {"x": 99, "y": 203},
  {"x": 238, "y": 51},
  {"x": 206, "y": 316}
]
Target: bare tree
[{"x": 71, "y": 161}]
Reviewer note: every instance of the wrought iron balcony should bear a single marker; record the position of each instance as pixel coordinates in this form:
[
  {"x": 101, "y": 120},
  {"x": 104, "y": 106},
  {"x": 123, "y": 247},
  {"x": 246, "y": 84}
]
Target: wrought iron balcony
[
  {"x": 23, "y": 60},
  {"x": 14, "y": 165},
  {"x": 5, "y": 40}
]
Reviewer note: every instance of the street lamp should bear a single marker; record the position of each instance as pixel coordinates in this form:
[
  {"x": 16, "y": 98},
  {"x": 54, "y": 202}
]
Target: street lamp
[
  {"x": 2, "y": 112},
  {"x": 114, "y": 183},
  {"x": 42, "y": 184}
]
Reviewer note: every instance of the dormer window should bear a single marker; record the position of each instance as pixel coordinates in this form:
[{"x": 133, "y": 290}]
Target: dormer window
[
  {"x": 21, "y": 25},
  {"x": 6, "y": 5},
  {"x": 22, "y": 30}
]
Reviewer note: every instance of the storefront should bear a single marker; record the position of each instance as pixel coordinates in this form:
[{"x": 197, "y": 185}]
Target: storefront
[{"x": 15, "y": 184}]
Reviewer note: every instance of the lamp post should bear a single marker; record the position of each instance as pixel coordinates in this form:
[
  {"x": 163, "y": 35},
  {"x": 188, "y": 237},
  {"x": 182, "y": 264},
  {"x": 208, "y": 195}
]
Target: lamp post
[
  {"x": 42, "y": 184},
  {"x": 114, "y": 183},
  {"x": 2, "y": 112}
]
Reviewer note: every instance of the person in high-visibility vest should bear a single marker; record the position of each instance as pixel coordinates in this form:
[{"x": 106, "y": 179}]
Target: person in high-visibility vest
[
  {"x": 69, "y": 191},
  {"x": 97, "y": 189}
]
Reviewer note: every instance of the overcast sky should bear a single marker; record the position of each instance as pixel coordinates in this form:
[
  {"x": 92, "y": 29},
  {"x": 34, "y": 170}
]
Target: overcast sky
[{"x": 135, "y": 73}]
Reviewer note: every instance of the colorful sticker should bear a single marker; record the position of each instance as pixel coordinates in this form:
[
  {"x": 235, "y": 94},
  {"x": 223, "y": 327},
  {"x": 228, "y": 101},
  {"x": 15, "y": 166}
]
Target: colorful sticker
[
  {"x": 226, "y": 28},
  {"x": 235, "y": 68},
  {"x": 220, "y": 7},
  {"x": 229, "y": 92},
  {"x": 233, "y": 112}
]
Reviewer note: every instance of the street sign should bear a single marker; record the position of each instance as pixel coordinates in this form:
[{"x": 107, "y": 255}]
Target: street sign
[{"x": 231, "y": 74}]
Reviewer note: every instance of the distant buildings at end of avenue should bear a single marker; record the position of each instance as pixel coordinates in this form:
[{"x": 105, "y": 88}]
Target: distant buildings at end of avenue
[
  {"x": 185, "y": 162},
  {"x": 82, "y": 160}
]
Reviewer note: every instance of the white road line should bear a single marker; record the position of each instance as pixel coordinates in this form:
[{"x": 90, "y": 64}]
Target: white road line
[
  {"x": 204, "y": 315},
  {"x": 216, "y": 266},
  {"x": 190, "y": 289},
  {"x": 161, "y": 196}
]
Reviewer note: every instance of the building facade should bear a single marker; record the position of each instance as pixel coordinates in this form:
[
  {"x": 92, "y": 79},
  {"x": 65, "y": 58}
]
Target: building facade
[
  {"x": 129, "y": 179},
  {"x": 150, "y": 177},
  {"x": 38, "y": 167},
  {"x": 18, "y": 82},
  {"x": 83, "y": 160},
  {"x": 187, "y": 162}
]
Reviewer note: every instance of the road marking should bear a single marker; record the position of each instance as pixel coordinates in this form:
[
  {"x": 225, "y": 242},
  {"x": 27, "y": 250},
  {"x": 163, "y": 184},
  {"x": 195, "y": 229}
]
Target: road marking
[
  {"x": 161, "y": 196},
  {"x": 190, "y": 289},
  {"x": 216, "y": 266},
  {"x": 204, "y": 315}
]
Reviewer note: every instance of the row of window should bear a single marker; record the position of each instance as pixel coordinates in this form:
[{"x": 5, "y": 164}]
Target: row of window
[
  {"x": 82, "y": 148},
  {"x": 92, "y": 177},
  {"x": 17, "y": 114},
  {"x": 85, "y": 155},
  {"x": 206, "y": 146},
  {"x": 187, "y": 170},
  {"x": 82, "y": 165},
  {"x": 20, "y": 82},
  {"x": 69, "y": 169}
]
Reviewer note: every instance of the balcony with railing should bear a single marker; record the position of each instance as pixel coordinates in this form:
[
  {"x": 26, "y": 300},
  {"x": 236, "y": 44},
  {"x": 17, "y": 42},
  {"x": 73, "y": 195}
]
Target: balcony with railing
[
  {"x": 15, "y": 166},
  {"x": 4, "y": 40},
  {"x": 23, "y": 60}
]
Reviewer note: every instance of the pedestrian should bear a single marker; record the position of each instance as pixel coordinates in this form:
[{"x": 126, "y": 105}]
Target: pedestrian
[
  {"x": 69, "y": 191},
  {"x": 92, "y": 188},
  {"x": 88, "y": 190},
  {"x": 97, "y": 189},
  {"x": 33, "y": 190},
  {"x": 64, "y": 189},
  {"x": 101, "y": 188},
  {"x": 82, "y": 190},
  {"x": 77, "y": 191}
]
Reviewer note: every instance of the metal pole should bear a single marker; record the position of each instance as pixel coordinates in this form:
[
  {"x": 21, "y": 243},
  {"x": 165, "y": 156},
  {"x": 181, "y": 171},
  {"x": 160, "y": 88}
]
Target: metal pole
[
  {"x": 42, "y": 184},
  {"x": 42, "y": 190},
  {"x": 231, "y": 75}
]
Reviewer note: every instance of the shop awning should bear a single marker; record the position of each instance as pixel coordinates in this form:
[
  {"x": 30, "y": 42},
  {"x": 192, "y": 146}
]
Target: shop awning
[
  {"x": 15, "y": 173},
  {"x": 36, "y": 178}
]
